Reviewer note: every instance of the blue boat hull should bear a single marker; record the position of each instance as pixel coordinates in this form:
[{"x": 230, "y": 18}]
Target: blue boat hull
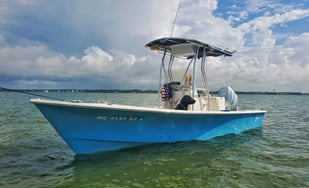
[{"x": 88, "y": 129}]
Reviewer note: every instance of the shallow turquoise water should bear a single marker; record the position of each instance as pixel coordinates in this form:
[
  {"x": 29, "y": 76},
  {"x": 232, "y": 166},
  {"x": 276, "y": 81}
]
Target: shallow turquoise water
[{"x": 33, "y": 155}]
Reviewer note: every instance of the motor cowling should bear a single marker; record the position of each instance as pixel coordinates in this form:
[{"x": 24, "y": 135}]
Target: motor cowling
[{"x": 229, "y": 94}]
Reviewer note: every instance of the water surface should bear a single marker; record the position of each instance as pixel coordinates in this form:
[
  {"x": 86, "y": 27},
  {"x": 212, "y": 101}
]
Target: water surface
[{"x": 277, "y": 155}]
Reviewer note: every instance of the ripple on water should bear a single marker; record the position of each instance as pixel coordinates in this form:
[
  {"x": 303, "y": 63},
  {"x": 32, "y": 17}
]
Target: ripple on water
[{"x": 33, "y": 155}]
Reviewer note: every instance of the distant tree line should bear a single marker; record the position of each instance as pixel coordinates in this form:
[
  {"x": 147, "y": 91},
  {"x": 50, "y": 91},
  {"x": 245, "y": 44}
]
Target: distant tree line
[{"x": 145, "y": 91}]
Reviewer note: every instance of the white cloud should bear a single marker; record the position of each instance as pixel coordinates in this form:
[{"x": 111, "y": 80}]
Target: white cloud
[
  {"x": 36, "y": 63},
  {"x": 123, "y": 23},
  {"x": 200, "y": 23},
  {"x": 284, "y": 68},
  {"x": 108, "y": 38}
]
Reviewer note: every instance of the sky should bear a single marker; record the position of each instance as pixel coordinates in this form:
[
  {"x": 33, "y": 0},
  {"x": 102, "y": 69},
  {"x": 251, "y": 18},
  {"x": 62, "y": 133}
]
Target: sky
[{"x": 99, "y": 44}]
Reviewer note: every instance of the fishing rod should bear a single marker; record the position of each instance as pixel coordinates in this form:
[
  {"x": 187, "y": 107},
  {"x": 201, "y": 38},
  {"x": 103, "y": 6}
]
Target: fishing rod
[
  {"x": 175, "y": 18},
  {"x": 30, "y": 93}
]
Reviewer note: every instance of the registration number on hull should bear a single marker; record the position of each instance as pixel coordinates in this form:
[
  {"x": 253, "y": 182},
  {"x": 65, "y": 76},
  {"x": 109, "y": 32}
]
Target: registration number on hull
[{"x": 119, "y": 118}]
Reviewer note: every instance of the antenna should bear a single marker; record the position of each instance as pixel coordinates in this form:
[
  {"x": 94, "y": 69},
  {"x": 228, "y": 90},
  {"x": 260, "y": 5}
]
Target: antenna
[{"x": 175, "y": 18}]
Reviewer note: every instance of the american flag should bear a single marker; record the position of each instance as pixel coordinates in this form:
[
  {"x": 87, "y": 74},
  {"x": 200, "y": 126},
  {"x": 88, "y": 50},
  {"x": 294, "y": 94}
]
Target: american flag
[{"x": 165, "y": 92}]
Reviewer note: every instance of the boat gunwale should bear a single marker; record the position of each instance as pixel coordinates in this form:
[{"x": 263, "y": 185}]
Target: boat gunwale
[{"x": 137, "y": 108}]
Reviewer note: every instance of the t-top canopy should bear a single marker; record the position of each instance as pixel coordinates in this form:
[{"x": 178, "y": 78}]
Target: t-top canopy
[{"x": 181, "y": 47}]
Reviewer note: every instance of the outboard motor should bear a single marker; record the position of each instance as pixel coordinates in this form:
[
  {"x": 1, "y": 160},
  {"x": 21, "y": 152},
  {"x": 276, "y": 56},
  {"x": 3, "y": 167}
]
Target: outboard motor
[{"x": 230, "y": 96}]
